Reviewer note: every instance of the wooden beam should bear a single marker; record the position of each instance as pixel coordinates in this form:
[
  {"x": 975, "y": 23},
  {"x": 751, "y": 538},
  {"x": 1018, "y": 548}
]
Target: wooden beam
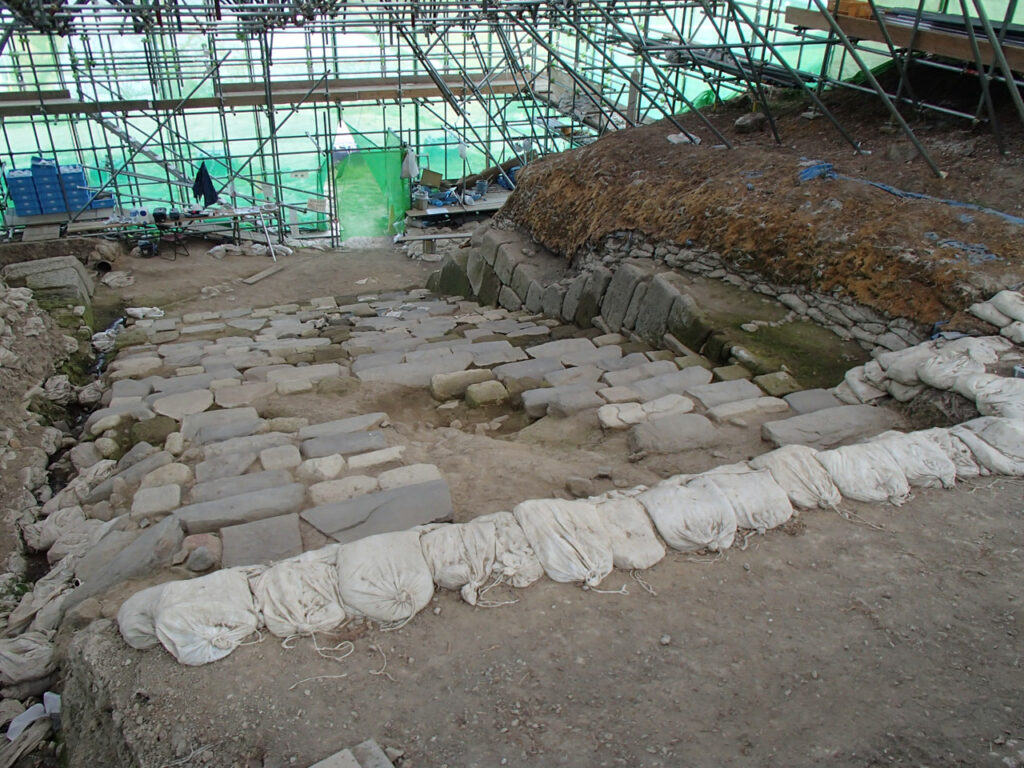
[{"x": 948, "y": 44}]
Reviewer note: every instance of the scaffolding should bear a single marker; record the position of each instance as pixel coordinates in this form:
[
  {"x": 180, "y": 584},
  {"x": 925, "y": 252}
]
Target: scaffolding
[{"x": 271, "y": 96}]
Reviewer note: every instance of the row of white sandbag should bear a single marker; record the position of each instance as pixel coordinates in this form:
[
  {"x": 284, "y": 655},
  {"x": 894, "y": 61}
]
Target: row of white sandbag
[
  {"x": 958, "y": 365},
  {"x": 391, "y": 577},
  {"x": 1005, "y": 310}
]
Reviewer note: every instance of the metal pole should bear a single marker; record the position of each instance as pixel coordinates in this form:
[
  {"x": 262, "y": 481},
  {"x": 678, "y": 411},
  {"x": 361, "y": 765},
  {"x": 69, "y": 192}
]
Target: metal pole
[{"x": 997, "y": 52}]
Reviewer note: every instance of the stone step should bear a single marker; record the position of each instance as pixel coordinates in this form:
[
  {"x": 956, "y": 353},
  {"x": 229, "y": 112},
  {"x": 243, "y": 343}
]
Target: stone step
[{"x": 830, "y": 427}]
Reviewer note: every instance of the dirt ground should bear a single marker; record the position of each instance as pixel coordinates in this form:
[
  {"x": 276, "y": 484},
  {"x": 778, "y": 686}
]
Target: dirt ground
[{"x": 889, "y": 638}]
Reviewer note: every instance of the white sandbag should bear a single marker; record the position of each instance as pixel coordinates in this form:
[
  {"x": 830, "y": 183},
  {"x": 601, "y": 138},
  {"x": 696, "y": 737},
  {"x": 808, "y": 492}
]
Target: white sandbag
[
  {"x": 985, "y": 311},
  {"x": 858, "y": 384},
  {"x": 569, "y": 538},
  {"x": 26, "y": 657},
  {"x": 204, "y": 619},
  {"x": 77, "y": 540},
  {"x": 797, "y": 470},
  {"x": 296, "y": 597},
  {"x": 1014, "y": 332},
  {"x": 985, "y": 349},
  {"x": 942, "y": 370},
  {"x": 45, "y": 594},
  {"x": 956, "y": 451},
  {"x": 970, "y": 384},
  {"x": 844, "y": 392},
  {"x": 1000, "y": 396},
  {"x": 515, "y": 562},
  {"x": 901, "y": 365},
  {"x": 691, "y": 517},
  {"x": 901, "y": 392},
  {"x": 136, "y": 618},
  {"x": 1010, "y": 303},
  {"x": 866, "y": 472},
  {"x": 922, "y": 462},
  {"x": 634, "y": 543},
  {"x": 384, "y": 577},
  {"x": 461, "y": 556},
  {"x": 874, "y": 374},
  {"x": 997, "y": 443},
  {"x": 758, "y": 501},
  {"x": 42, "y": 535}
]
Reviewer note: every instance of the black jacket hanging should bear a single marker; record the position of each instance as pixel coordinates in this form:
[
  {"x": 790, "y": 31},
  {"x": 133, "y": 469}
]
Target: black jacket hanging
[{"x": 203, "y": 187}]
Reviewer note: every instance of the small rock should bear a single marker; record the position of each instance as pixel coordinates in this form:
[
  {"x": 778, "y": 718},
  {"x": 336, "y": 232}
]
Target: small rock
[
  {"x": 750, "y": 122},
  {"x": 580, "y": 487},
  {"x": 200, "y": 560},
  {"x": 666, "y": 640}
]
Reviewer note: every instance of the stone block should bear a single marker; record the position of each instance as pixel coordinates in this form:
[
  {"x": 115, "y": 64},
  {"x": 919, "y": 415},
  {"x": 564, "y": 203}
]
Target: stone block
[
  {"x": 379, "y": 458},
  {"x": 183, "y": 404},
  {"x": 445, "y": 386},
  {"x": 565, "y": 403},
  {"x": 192, "y": 423},
  {"x": 572, "y": 298},
  {"x": 748, "y": 409},
  {"x": 618, "y": 295},
  {"x": 323, "y": 468},
  {"x": 475, "y": 271},
  {"x": 452, "y": 279},
  {"x": 418, "y": 374},
  {"x": 60, "y": 276},
  {"x": 280, "y": 457},
  {"x": 810, "y": 400},
  {"x": 155, "y": 501},
  {"x": 488, "y": 353},
  {"x": 310, "y": 373},
  {"x": 646, "y": 369},
  {"x": 562, "y": 348},
  {"x": 509, "y": 299},
  {"x": 260, "y": 542},
  {"x": 396, "y": 509},
  {"x": 674, "y": 383},
  {"x": 534, "y": 300},
  {"x": 131, "y": 475},
  {"x": 528, "y": 369},
  {"x": 244, "y": 394},
  {"x": 221, "y": 488},
  {"x": 168, "y": 474},
  {"x": 652, "y": 318},
  {"x": 524, "y": 276},
  {"x": 410, "y": 475},
  {"x": 710, "y": 395},
  {"x": 506, "y": 258},
  {"x": 552, "y": 299},
  {"x": 343, "y": 443},
  {"x": 590, "y": 299},
  {"x": 687, "y": 323},
  {"x": 619, "y": 395},
  {"x": 341, "y": 426},
  {"x": 490, "y": 286},
  {"x": 730, "y": 373},
  {"x": 673, "y": 434},
  {"x": 633, "y": 310},
  {"x": 487, "y": 240},
  {"x": 778, "y": 384},
  {"x": 576, "y": 374},
  {"x": 830, "y": 427},
  {"x": 485, "y": 393},
  {"x": 207, "y": 516},
  {"x": 341, "y": 489}
]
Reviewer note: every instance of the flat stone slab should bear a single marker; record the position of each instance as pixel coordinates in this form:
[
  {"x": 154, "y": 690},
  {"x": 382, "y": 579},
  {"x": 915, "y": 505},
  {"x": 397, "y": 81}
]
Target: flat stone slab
[
  {"x": 777, "y": 384},
  {"x": 131, "y": 475},
  {"x": 811, "y": 400},
  {"x": 221, "y": 488},
  {"x": 342, "y": 489},
  {"x": 262, "y": 541},
  {"x": 528, "y": 369},
  {"x": 341, "y": 426},
  {"x": 487, "y": 353},
  {"x": 645, "y": 370},
  {"x": 157, "y": 500},
  {"x": 561, "y": 348},
  {"x": 573, "y": 375},
  {"x": 592, "y": 356},
  {"x": 536, "y": 401},
  {"x": 567, "y": 403},
  {"x": 208, "y": 516},
  {"x": 674, "y": 383},
  {"x": 310, "y": 373},
  {"x": 830, "y": 427},
  {"x": 410, "y": 475},
  {"x": 192, "y": 423},
  {"x": 183, "y": 404},
  {"x": 244, "y": 394},
  {"x": 418, "y": 374},
  {"x": 710, "y": 395},
  {"x": 396, "y": 509},
  {"x": 748, "y": 409},
  {"x": 343, "y": 443},
  {"x": 485, "y": 393},
  {"x": 445, "y": 386},
  {"x": 674, "y": 434}
]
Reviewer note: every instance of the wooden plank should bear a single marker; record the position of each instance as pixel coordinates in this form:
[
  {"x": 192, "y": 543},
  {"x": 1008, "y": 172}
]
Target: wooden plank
[
  {"x": 252, "y": 279},
  {"x": 25, "y": 95},
  {"x": 439, "y": 236},
  {"x": 46, "y": 232},
  {"x": 948, "y": 44}
]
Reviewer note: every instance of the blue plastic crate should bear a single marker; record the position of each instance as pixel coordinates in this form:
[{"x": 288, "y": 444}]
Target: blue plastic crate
[
  {"x": 50, "y": 207},
  {"x": 43, "y": 168},
  {"x": 25, "y": 200},
  {"x": 104, "y": 202}
]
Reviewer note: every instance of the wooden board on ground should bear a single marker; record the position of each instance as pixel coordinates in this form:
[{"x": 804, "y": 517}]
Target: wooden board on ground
[
  {"x": 35, "y": 234},
  {"x": 252, "y": 279}
]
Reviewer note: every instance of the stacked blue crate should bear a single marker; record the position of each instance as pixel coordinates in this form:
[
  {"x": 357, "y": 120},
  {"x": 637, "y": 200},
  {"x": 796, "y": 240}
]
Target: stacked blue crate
[
  {"x": 72, "y": 183},
  {"x": 47, "y": 181},
  {"x": 23, "y": 192}
]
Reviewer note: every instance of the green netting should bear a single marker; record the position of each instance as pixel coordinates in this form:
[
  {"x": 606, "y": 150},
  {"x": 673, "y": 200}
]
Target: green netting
[{"x": 372, "y": 198}]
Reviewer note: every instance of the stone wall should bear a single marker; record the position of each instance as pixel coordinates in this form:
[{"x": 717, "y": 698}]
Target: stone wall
[{"x": 639, "y": 289}]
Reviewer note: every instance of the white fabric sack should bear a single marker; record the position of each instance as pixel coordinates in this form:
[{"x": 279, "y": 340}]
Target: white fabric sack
[
  {"x": 874, "y": 374},
  {"x": 204, "y": 619},
  {"x": 997, "y": 443},
  {"x": 45, "y": 596},
  {"x": 515, "y": 562},
  {"x": 569, "y": 538},
  {"x": 970, "y": 384},
  {"x": 797, "y": 470},
  {"x": 384, "y": 577},
  {"x": 1000, "y": 396},
  {"x": 845, "y": 393},
  {"x": 42, "y": 534},
  {"x": 461, "y": 556},
  {"x": 26, "y": 657},
  {"x": 901, "y": 392},
  {"x": 298, "y": 598},
  {"x": 866, "y": 472},
  {"x": 922, "y": 462},
  {"x": 985, "y": 349},
  {"x": 78, "y": 540},
  {"x": 758, "y": 501},
  {"x": 1010, "y": 303},
  {"x": 1014, "y": 332},
  {"x": 691, "y": 517},
  {"x": 956, "y": 450},
  {"x": 858, "y": 384},
  {"x": 634, "y": 543},
  {"x": 137, "y": 616},
  {"x": 985, "y": 311},
  {"x": 942, "y": 371},
  {"x": 901, "y": 366}
]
